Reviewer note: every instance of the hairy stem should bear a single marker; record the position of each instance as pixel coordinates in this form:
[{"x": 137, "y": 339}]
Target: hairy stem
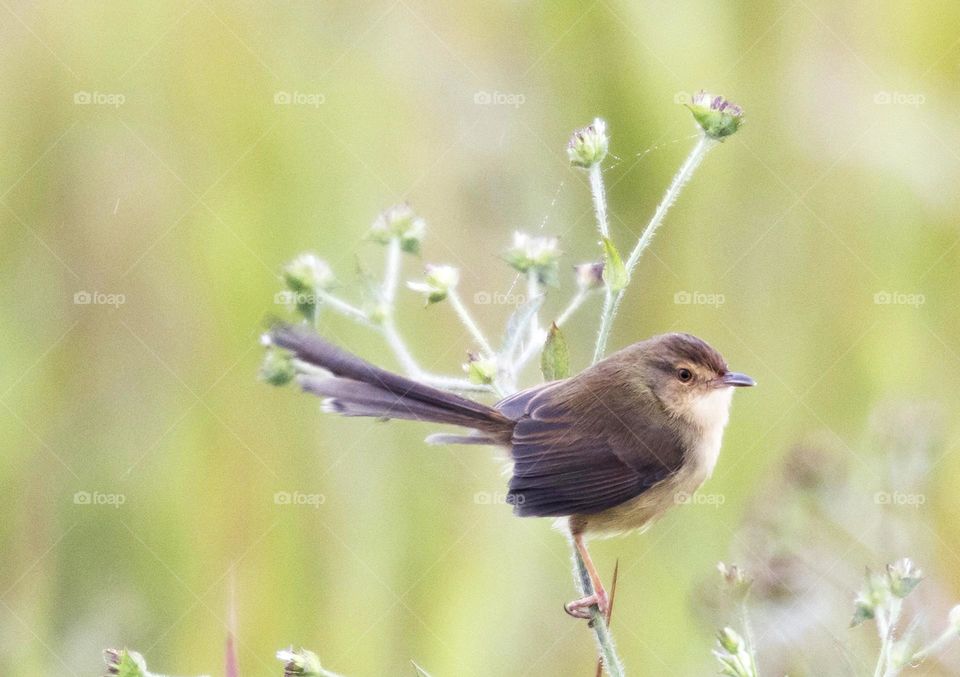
[
  {"x": 612, "y": 664},
  {"x": 535, "y": 344},
  {"x": 461, "y": 310},
  {"x": 612, "y": 302}
]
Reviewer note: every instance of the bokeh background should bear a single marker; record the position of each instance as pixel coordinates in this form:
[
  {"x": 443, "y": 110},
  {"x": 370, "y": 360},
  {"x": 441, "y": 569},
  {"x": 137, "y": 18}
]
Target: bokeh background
[{"x": 148, "y": 155}]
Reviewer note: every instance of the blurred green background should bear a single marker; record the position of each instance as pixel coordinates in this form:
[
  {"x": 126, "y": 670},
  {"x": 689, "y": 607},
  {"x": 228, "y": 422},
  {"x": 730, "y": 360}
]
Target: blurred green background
[{"x": 145, "y": 155}]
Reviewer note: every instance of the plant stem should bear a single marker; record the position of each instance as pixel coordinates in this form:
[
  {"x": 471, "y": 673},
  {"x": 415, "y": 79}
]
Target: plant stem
[
  {"x": 536, "y": 343},
  {"x": 611, "y": 661},
  {"x": 533, "y": 291},
  {"x": 935, "y": 647},
  {"x": 612, "y": 302},
  {"x": 886, "y": 621},
  {"x": 599, "y": 199},
  {"x": 457, "y": 303},
  {"x": 344, "y": 308}
]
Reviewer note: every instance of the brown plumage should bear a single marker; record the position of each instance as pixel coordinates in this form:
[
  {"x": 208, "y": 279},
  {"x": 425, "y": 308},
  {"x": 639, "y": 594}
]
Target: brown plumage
[{"x": 608, "y": 450}]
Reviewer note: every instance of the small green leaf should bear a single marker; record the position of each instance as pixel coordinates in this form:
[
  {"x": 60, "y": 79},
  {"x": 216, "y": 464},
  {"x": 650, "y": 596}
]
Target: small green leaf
[
  {"x": 555, "y": 358},
  {"x": 614, "y": 272}
]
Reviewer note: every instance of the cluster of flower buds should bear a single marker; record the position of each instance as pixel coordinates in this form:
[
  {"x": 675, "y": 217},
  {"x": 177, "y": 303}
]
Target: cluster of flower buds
[
  {"x": 539, "y": 255},
  {"x": 589, "y": 275},
  {"x": 717, "y": 117},
  {"x": 300, "y": 663},
  {"x": 734, "y": 655},
  {"x": 437, "y": 283},
  {"x": 899, "y": 581},
  {"x": 480, "y": 370},
  {"x": 399, "y": 222},
  {"x": 588, "y": 146}
]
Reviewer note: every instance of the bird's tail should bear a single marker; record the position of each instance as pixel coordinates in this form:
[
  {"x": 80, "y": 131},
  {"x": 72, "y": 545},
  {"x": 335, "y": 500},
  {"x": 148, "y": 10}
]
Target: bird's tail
[{"x": 357, "y": 388}]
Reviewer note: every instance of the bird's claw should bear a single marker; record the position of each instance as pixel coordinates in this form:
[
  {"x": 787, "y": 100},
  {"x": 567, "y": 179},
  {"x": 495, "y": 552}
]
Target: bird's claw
[{"x": 580, "y": 608}]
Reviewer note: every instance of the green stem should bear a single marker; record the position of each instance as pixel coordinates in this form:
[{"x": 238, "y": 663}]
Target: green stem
[
  {"x": 612, "y": 303},
  {"x": 612, "y": 664}
]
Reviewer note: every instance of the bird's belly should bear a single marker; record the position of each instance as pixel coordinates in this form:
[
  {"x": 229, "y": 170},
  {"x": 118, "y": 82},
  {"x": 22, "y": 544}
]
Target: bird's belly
[{"x": 641, "y": 512}]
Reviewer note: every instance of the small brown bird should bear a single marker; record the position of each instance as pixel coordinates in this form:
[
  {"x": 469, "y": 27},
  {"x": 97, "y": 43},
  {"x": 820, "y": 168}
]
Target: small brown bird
[{"x": 606, "y": 451}]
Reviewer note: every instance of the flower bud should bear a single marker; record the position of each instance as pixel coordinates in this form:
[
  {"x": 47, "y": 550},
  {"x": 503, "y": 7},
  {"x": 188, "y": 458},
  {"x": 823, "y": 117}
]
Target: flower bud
[
  {"x": 481, "y": 371},
  {"x": 717, "y": 117},
  {"x": 588, "y": 146},
  {"x": 589, "y": 275},
  {"x": 437, "y": 284},
  {"x": 277, "y": 368},
  {"x": 734, "y": 655},
  {"x": 308, "y": 273},
  {"x": 904, "y": 577},
  {"x": 399, "y": 222},
  {"x": 874, "y": 595},
  {"x": 534, "y": 254},
  {"x": 300, "y": 663},
  {"x": 737, "y": 580},
  {"x": 125, "y": 663}
]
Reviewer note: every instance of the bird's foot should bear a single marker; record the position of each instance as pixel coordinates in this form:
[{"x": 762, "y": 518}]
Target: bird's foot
[{"x": 580, "y": 608}]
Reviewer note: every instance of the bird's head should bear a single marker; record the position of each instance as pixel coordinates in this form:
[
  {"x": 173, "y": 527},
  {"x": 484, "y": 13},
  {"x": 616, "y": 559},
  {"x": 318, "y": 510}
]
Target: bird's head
[{"x": 690, "y": 378}]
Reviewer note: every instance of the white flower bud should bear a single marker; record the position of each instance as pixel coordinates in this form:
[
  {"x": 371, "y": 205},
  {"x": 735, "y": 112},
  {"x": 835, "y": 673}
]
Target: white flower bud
[
  {"x": 588, "y": 146},
  {"x": 437, "y": 284},
  {"x": 717, "y": 117},
  {"x": 400, "y": 222},
  {"x": 537, "y": 254},
  {"x": 480, "y": 370}
]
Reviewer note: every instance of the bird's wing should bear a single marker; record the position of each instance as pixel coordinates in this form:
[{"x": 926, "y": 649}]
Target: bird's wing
[{"x": 566, "y": 463}]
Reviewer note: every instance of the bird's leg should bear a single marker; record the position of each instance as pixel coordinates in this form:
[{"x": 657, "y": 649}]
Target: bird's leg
[{"x": 580, "y": 608}]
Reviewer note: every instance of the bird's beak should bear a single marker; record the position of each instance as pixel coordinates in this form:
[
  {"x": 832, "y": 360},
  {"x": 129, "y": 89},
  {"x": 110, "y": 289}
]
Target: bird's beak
[{"x": 735, "y": 379}]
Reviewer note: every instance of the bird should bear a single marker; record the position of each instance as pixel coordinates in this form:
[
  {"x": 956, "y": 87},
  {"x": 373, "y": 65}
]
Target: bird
[{"x": 604, "y": 452}]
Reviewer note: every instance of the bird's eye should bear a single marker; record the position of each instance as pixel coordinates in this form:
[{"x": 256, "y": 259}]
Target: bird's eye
[{"x": 685, "y": 375}]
